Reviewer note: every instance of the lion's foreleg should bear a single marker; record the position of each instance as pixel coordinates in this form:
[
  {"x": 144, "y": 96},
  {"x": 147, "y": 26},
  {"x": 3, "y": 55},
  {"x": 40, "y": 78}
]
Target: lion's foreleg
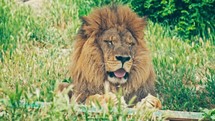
[{"x": 65, "y": 86}]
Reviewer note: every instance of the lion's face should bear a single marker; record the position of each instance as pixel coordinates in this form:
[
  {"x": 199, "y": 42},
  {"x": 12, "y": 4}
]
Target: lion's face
[{"x": 118, "y": 48}]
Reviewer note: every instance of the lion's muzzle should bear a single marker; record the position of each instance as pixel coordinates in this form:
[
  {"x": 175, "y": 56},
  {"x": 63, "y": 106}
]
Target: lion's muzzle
[{"x": 118, "y": 69}]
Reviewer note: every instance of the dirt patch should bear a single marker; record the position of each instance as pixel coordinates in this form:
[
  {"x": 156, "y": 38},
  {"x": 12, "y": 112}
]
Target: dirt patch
[{"x": 36, "y": 5}]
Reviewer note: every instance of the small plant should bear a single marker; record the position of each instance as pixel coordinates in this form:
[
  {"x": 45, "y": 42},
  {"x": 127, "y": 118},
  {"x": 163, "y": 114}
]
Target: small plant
[{"x": 209, "y": 114}]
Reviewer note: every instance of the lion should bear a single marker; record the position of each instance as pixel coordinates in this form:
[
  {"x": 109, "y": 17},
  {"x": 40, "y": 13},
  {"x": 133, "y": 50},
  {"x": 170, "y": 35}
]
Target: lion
[{"x": 110, "y": 47}]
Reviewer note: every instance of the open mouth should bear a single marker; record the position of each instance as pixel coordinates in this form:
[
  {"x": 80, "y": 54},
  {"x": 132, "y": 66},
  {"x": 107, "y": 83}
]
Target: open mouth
[{"x": 120, "y": 73}]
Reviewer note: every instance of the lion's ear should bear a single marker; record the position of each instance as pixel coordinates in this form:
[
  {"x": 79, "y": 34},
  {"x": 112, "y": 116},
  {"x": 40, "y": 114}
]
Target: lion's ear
[
  {"x": 85, "y": 30},
  {"x": 84, "y": 20},
  {"x": 144, "y": 20}
]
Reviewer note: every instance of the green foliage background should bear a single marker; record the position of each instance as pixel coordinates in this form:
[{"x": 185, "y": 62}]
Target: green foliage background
[{"x": 188, "y": 18}]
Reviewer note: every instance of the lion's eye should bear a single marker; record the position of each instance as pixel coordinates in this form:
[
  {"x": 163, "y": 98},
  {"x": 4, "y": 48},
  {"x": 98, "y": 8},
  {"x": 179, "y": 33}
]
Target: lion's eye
[
  {"x": 131, "y": 44},
  {"x": 109, "y": 42}
]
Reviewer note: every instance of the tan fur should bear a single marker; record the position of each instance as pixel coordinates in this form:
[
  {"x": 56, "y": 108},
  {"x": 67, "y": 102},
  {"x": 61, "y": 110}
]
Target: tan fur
[{"x": 91, "y": 61}]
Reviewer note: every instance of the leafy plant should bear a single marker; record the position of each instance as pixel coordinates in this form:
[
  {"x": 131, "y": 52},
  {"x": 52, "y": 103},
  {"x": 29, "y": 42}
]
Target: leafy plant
[{"x": 210, "y": 89}]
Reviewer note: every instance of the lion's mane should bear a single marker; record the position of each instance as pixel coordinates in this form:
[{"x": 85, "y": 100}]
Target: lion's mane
[{"x": 87, "y": 66}]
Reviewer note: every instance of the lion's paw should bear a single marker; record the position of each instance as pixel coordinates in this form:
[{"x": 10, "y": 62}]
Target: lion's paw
[
  {"x": 149, "y": 102},
  {"x": 109, "y": 99}
]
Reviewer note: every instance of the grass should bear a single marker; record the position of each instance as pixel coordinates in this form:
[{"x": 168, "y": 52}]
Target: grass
[
  {"x": 183, "y": 70},
  {"x": 35, "y": 54}
]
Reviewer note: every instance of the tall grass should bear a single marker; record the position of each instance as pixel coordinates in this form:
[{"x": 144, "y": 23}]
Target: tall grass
[
  {"x": 15, "y": 21},
  {"x": 35, "y": 52}
]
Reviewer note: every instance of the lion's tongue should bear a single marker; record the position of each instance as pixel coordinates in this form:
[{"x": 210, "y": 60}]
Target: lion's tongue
[{"x": 120, "y": 73}]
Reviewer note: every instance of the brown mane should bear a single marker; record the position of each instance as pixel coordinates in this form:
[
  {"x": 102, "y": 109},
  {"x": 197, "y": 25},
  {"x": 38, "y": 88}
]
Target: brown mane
[{"x": 87, "y": 66}]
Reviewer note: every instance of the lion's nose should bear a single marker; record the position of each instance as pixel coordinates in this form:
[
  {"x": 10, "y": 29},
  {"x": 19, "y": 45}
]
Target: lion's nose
[{"x": 123, "y": 59}]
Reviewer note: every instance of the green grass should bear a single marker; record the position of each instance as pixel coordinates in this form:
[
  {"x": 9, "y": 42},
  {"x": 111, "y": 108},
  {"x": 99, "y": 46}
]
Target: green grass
[
  {"x": 35, "y": 55},
  {"x": 182, "y": 69}
]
